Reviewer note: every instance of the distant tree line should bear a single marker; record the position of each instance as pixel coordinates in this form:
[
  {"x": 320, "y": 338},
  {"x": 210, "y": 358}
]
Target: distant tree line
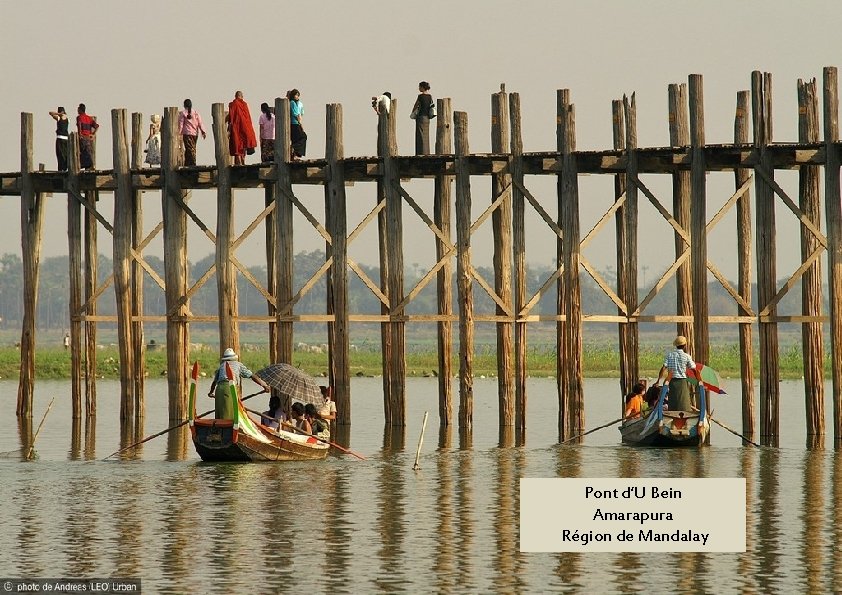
[{"x": 53, "y": 291}]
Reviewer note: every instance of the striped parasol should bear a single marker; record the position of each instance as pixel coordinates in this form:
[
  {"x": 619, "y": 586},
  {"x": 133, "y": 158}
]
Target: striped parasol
[
  {"x": 292, "y": 383},
  {"x": 707, "y": 376}
]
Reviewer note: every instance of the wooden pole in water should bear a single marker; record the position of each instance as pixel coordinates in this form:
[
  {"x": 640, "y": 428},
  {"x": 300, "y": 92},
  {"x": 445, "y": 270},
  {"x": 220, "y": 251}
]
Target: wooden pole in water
[
  {"x": 833, "y": 216},
  {"x": 337, "y": 223},
  {"x": 122, "y": 236},
  {"x": 627, "y": 376},
  {"x": 175, "y": 267},
  {"x": 283, "y": 232},
  {"x": 32, "y": 224},
  {"x": 519, "y": 272},
  {"x": 74, "y": 246},
  {"x": 741, "y": 176},
  {"x": 444, "y": 280},
  {"x": 226, "y": 278},
  {"x": 572, "y": 418},
  {"x": 464, "y": 282},
  {"x": 270, "y": 228},
  {"x": 698, "y": 221},
  {"x": 630, "y": 212},
  {"x": 811, "y": 283},
  {"x": 761, "y": 91},
  {"x": 137, "y": 275},
  {"x": 501, "y": 221},
  {"x": 679, "y": 125},
  {"x": 91, "y": 279},
  {"x": 385, "y": 267}
]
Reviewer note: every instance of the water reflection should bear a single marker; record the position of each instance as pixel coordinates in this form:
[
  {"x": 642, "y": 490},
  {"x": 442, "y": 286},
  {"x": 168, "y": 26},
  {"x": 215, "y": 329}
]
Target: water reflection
[
  {"x": 836, "y": 518},
  {"x": 768, "y": 520},
  {"x": 568, "y": 464},
  {"x": 812, "y": 523},
  {"x": 90, "y": 438},
  {"x": 391, "y": 520},
  {"x": 178, "y": 442},
  {"x": 445, "y": 437},
  {"x": 75, "y": 452},
  {"x": 444, "y": 556},
  {"x": 465, "y": 554},
  {"x": 745, "y": 566},
  {"x": 394, "y": 438},
  {"x": 507, "y": 557}
]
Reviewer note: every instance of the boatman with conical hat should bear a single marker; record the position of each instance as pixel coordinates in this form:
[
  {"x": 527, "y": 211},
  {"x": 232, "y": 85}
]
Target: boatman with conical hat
[
  {"x": 219, "y": 389},
  {"x": 676, "y": 363}
]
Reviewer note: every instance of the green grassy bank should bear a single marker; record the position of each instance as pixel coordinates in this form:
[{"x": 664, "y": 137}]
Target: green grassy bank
[{"x": 599, "y": 362}]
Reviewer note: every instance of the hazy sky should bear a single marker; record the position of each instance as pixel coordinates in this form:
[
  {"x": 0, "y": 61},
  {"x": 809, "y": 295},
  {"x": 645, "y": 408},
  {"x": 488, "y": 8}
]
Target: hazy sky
[{"x": 147, "y": 55}]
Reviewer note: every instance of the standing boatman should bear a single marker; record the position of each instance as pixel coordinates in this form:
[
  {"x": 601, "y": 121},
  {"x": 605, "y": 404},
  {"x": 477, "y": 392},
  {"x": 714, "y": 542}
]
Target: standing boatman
[
  {"x": 218, "y": 388},
  {"x": 676, "y": 363}
]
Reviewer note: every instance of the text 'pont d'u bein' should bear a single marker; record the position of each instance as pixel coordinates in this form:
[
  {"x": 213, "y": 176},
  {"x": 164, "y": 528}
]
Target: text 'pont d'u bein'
[{"x": 632, "y": 492}]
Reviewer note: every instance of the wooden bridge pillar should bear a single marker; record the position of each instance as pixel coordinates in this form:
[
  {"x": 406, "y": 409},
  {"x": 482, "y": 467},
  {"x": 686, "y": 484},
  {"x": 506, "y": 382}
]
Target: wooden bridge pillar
[
  {"x": 175, "y": 267},
  {"x": 444, "y": 280},
  {"x": 138, "y": 339},
  {"x": 32, "y": 223},
  {"x": 337, "y": 226},
  {"x": 74, "y": 247},
  {"x": 627, "y": 250},
  {"x": 519, "y": 271},
  {"x": 123, "y": 212},
  {"x": 571, "y": 396},
  {"x": 90, "y": 284},
  {"x": 226, "y": 278},
  {"x": 501, "y": 221},
  {"x": 698, "y": 221},
  {"x": 283, "y": 259},
  {"x": 761, "y": 95},
  {"x": 464, "y": 282},
  {"x": 627, "y": 373}
]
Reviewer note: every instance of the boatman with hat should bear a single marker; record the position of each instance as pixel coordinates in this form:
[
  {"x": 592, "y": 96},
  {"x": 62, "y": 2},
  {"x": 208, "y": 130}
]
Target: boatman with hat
[
  {"x": 676, "y": 363},
  {"x": 220, "y": 391}
]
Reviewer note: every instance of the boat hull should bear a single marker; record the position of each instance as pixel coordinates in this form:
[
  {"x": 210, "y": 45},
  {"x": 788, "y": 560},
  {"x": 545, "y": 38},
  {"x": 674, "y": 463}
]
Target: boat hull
[
  {"x": 669, "y": 428},
  {"x": 217, "y": 440}
]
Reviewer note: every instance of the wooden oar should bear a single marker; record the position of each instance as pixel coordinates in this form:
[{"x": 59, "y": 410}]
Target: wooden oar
[
  {"x": 724, "y": 427},
  {"x": 297, "y": 431},
  {"x": 38, "y": 431},
  {"x": 183, "y": 423},
  {"x": 616, "y": 421}
]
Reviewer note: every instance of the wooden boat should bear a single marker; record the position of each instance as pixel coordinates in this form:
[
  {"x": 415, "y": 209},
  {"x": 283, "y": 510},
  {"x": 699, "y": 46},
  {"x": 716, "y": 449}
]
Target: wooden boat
[
  {"x": 669, "y": 428},
  {"x": 243, "y": 439}
]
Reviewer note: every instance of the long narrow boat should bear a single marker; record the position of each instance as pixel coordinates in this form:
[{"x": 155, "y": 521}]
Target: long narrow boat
[
  {"x": 241, "y": 438},
  {"x": 669, "y": 428}
]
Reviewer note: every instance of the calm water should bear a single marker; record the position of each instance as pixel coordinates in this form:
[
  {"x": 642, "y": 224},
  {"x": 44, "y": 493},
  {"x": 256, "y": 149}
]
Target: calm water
[{"x": 346, "y": 525}]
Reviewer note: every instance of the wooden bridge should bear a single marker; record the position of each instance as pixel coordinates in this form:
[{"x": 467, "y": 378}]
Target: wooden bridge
[{"x": 753, "y": 157}]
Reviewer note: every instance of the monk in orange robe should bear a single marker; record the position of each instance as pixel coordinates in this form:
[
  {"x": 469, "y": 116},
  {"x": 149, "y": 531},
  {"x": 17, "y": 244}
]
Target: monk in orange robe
[{"x": 241, "y": 139}]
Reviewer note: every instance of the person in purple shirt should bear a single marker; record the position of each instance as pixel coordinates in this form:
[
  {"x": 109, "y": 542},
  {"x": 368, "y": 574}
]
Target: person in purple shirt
[{"x": 190, "y": 126}]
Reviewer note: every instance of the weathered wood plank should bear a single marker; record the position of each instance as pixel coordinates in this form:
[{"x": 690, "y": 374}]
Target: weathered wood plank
[
  {"x": 698, "y": 221},
  {"x": 444, "y": 280},
  {"x": 519, "y": 270},
  {"x": 284, "y": 253},
  {"x": 138, "y": 339},
  {"x": 463, "y": 273}
]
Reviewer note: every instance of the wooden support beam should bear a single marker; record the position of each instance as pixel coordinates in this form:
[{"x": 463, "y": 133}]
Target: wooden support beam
[
  {"x": 501, "y": 222},
  {"x": 283, "y": 229},
  {"x": 463, "y": 273},
  {"x": 627, "y": 371},
  {"x": 74, "y": 246},
  {"x": 138, "y": 339},
  {"x": 122, "y": 239},
  {"x": 32, "y": 225},
  {"x": 631, "y": 348},
  {"x": 812, "y": 347},
  {"x": 337, "y": 221},
  {"x": 226, "y": 277},
  {"x": 741, "y": 177},
  {"x": 519, "y": 270},
  {"x": 761, "y": 91},
  {"x": 89, "y": 217},
  {"x": 833, "y": 216},
  {"x": 679, "y": 128},
  {"x": 572, "y": 415},
  {"x": 175, "y": 267},
  {"x": 698, "y": 221},
  {"x": 382, "y": 226}
]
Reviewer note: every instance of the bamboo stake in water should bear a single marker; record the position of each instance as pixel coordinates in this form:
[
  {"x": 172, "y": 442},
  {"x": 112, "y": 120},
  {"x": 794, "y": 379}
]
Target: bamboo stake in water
[
  {"x": 38, "y": 431},
  {"x": 416, "y": 466}
]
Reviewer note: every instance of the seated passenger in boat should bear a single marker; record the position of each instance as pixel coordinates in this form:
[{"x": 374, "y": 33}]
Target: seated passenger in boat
[
  {"x": 634, "y": 401},
  {"x": 272, "y": 417},
  {"x": 320, "y": 427},
  {"x": 653, "y": 393},
  {"x": 328, "y": 410},
  {"x": 299, "y": 420}
]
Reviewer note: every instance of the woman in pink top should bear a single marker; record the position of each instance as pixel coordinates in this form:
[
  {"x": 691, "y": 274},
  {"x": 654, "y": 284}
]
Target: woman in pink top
[
  {"x": 266, "y": 123},
  {"x": 189, "y": 126}
]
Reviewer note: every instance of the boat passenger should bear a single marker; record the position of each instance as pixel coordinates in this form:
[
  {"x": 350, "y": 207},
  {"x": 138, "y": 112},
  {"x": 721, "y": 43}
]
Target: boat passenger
[
  {"x": 320, "y": 427},
  {"x": 676, "y": 363},
  {"x": 272, "y": 417},
  {"x": 634, "y": 401},
  {"x": 218, "y": 389},
  {"x": 327, "y": 411},
  {"x": 653, "y": 393},
  {"x": 299, "y": 420}
]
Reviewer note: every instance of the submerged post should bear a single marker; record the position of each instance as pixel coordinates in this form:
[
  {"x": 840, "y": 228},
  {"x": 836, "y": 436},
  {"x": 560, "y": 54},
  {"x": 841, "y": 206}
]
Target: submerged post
[
  {"x": 139, "y": 344},
  {"x": 32, "y": 223},
  {"x": 175, "y": 267},
  {"x": 501, "y": 221},
  {"x": 122, "y": 236},
  {"x": 226, "y": 278},
  {"x": 444, "y": 280},
  {"x": 519, "y": 271},
  {"x": 833, "y": 215},
  {"x": 761, "y": 91},
  {"x": 463, "y": 273},
  {"x": 74, "y": 260},
  {"x": 679, "y": 125},
  {"x": 742, "y": 176},
  {"x": 337, "y": 224}
]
